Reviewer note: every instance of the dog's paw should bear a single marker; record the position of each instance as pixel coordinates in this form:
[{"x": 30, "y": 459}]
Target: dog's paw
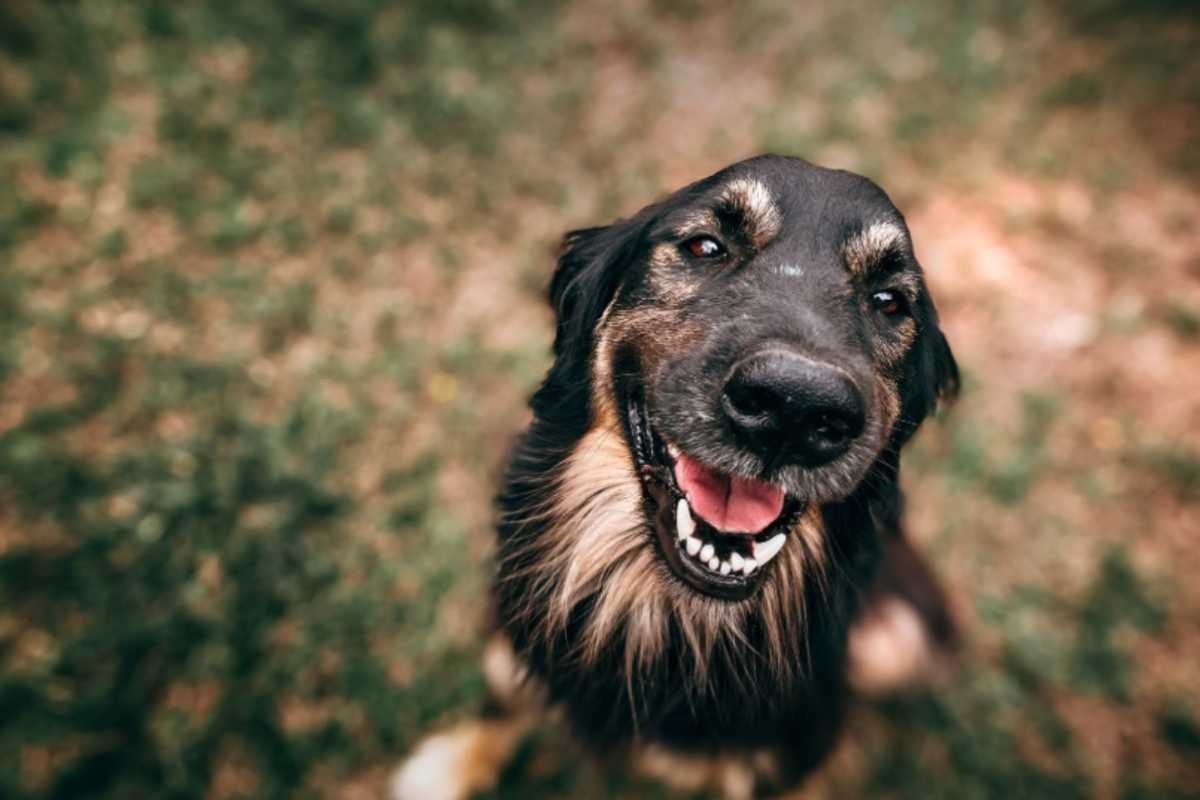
[
  {"x": 890, "y": 648},
  {"x": 457, "y": 763},
  {"x": 435, "y": 770},
  {"x": 729, "y": 777}
]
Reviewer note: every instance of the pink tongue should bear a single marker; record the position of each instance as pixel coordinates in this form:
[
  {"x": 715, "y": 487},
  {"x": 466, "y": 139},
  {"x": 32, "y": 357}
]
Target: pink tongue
[{"x": 733, "y": 505}]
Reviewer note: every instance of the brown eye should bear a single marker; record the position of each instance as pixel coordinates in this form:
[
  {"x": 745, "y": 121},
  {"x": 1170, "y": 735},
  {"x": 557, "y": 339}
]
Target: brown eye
[
  {"x": 887, "y": 302},
  {"x": 704, "y": 247}
]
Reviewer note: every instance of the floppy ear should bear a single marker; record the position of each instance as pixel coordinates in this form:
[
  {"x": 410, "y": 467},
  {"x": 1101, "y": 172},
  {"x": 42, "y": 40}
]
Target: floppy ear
[
  {"x": 946, "y": 383},
  {"x": 590, "y": 266},
  {"x": 931, "y": 377}
]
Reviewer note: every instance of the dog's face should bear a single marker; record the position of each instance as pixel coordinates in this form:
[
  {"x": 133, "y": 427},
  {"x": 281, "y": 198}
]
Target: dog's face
[{"x": 758, "y": 341}]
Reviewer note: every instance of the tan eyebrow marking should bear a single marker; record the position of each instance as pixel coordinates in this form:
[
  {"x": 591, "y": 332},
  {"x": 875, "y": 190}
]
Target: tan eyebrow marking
[
  {"x": 864, "y": 250},
  {"x": 696, "y": 222},
  {"x": 753, "y": 201}
]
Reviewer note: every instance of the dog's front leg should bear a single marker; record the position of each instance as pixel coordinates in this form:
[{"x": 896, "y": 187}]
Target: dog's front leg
[
  {"x": 731, "y": 777},
  {"x": 906, "y": 627},
  {"x": 469, "y": 757}
]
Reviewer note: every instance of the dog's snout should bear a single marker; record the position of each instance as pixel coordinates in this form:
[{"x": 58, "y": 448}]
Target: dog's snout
[{"x": 790, "y": 409}]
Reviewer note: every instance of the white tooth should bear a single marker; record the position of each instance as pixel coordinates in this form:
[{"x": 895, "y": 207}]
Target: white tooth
[
  {"x": 714, "y": 563},
  {"x": 672, "y": 450},
  {"x": 765, "y": 551},
  {"x": 736, "y": 561},
  {"x": 707, "y": 552},
  {"x": 749, "y": 566},
  {"x": 725, "y": 567},
  {"x": 683, "y": 519},
  {"x": 693, "y": 545}
]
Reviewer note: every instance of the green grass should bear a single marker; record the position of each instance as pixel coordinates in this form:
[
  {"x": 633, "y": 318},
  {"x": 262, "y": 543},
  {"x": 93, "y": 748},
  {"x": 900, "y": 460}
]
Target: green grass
[{"x": 270, "y": 304}]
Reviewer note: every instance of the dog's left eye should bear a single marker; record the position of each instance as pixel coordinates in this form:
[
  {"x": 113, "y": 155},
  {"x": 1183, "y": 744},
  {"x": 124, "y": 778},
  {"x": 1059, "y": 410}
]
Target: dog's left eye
[
  {"x": 888, "y": 302},
  {"x": 704, "y": 247}
]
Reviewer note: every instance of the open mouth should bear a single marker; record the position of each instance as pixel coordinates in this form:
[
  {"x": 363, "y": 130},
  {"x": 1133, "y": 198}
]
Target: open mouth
[{"x": 718, "y": 533}]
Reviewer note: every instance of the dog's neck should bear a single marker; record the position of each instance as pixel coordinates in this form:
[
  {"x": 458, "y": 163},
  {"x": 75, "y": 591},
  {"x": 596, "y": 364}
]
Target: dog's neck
[{"x": 588, "y": 602}]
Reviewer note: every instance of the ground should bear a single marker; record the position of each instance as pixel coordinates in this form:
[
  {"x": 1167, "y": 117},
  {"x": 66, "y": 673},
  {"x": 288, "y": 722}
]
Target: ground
[{"x": 271, "y": 303}]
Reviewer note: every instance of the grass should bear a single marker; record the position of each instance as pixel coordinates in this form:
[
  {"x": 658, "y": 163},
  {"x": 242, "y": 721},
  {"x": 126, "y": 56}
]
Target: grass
[{"x": 270, "y": 304}]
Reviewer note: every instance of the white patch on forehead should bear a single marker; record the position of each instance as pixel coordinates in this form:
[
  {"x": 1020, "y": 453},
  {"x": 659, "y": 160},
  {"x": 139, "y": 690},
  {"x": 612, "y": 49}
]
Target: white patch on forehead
[
  {"x": 753, "y": 200},
  {"x": 789, "y": 270},
  {"x": 864, "y": 249}
]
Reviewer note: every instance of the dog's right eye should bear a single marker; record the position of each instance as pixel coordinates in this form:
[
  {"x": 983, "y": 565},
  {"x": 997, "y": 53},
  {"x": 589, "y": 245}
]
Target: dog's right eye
[
  {"x": 888, "y": 302},
  {"x": 704, "y": 247}
]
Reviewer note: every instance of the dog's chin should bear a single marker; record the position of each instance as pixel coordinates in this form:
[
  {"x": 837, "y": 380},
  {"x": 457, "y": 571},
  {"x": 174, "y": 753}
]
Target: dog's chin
[{"x": 728, "y": 564}]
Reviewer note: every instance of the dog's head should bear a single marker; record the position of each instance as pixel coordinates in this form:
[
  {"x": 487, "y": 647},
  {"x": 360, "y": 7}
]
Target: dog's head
[
  {"x": 728, "y": 361},
  {"x": 759, "y": 338}
]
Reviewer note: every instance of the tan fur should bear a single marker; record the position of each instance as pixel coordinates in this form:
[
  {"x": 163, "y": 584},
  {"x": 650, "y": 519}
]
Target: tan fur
[
  {"x": 888, "y": 648},
  {"x": 655, "y": 332},
  {"x": 730, "y": 776},
  {"x": 699, "y": 221},
  {"x": 672, "y": 285},
  {"x": 750, "y": 200},
  {"x": 862, "y": 254},
  {"x": 664, "y": 255},
  {"x": 753, "y": 201},
  {"x": 469, "y": 757},
  {"x": 508, "y": 679},
  {"x": 890, "y": 352},
  {"x": 887, "y": 396},
  {"x": 601, "y": 547},
  {"x": 602, "y": 402},
  {"x": 863, "y": 251},
  {"x": 457, "y": 763}
]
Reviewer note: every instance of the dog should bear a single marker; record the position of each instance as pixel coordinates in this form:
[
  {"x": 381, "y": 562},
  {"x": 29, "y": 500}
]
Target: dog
[{"x": 700, "y": 553}]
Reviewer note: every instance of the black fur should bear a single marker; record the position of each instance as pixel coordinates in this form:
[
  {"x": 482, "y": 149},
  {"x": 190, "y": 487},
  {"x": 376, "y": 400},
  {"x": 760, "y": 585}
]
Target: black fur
[{"x": 747, "y": 707}]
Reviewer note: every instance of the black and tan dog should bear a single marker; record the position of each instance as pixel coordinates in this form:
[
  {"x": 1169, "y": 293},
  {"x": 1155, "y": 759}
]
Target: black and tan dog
[{"x": 700, "y": 552}]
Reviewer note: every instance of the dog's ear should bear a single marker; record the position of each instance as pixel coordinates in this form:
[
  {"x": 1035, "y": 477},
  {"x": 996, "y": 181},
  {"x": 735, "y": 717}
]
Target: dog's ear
[
  {"x": 944, "y": 368},
  {"x": 931, "y": 376},
  {"x": 591, "y": 263}
]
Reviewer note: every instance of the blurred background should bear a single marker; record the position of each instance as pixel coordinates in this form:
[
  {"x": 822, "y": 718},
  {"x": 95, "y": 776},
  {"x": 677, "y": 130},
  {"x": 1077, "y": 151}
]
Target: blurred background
[{"x": 271, "y": 282}]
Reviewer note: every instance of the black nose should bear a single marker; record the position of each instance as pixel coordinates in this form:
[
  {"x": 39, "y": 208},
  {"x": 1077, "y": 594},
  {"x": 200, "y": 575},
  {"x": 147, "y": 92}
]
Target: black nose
[{"x": 789, "y": 409}]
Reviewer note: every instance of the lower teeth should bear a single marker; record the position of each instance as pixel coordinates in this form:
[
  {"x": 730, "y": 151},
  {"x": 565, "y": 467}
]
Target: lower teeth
[
  {"x": 765, "y": 551},
  {"x": 705, "y": 552}
]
